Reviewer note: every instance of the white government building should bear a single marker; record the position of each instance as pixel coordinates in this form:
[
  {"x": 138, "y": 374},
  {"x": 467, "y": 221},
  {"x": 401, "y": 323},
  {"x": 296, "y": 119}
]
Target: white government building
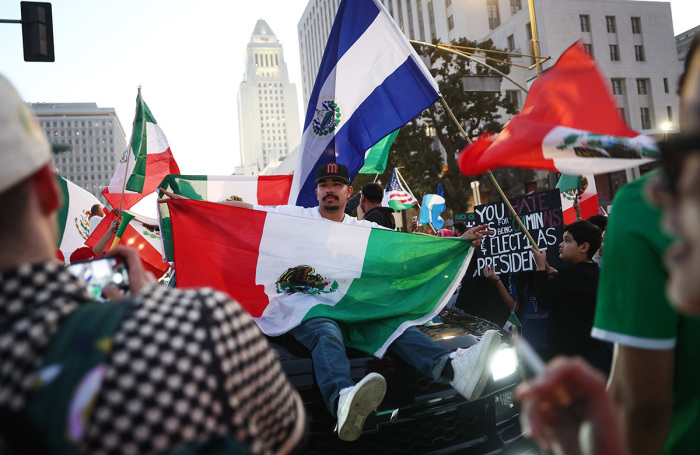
[
  {"x": 95, "y": 135},
  {"x": 268, "y": 112},
  {"x": 633, "y": 41}
]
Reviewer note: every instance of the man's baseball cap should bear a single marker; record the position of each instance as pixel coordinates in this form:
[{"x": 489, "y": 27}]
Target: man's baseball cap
[
  {"x": 24, "y": 148},
  {"x": 333, "y": 170}
]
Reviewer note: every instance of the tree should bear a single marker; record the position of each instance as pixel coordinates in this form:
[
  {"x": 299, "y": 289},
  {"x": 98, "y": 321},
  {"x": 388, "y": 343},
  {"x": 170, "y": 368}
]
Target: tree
[{"x": 477, "y": 112}]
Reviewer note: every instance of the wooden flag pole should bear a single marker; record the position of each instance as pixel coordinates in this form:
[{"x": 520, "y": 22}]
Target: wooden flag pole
[{"x": 493, "y": 180}]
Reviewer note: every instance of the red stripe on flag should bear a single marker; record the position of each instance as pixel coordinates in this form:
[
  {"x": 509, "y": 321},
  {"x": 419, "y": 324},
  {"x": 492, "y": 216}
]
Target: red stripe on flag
[
  {"x": 588, "y": 208},
  {"x": 205, "y": 255},
  {"x": 274, "y": 189}
]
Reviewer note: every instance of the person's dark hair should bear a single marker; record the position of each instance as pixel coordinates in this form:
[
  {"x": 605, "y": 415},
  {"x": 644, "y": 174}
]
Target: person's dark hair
[
  {"x": 694, "y": 44},
  {"x": 373, "y": 192},
  {"x": 599, "y": 220},
  {"x": 585, "y": 232},
  {"x": 13, "y": 201},
  {"x": 460, "y": 227},
  {"x": 95, "y": 209}
]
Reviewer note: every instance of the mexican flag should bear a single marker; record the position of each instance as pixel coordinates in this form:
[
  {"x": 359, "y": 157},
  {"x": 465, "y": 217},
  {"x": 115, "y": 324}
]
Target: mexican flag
[
  {"x": 287, "y": 269},
  {"x": 138, "y": 233},
  {"x": 253, "y": 189},
  {"x": 73, "y": 216},
  {"x": 512, "y": 325},
  {"x": 587, "y": 194},
  {"x": 145, "y": 162},
  {"x": 569, "y": 124}
]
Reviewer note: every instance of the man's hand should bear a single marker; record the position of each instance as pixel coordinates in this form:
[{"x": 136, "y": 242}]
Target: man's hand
[
  {"x": 476, "y": 233},
  {"x": 170, "y": 195},
  {"x": 566, "y": 407},
  {"x": 138, "y": 277},
  {"x": 490, "y": 273}
]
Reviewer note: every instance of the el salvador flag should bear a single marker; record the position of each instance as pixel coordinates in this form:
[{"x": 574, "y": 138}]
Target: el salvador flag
[
  {"x": 433, "y": 206},
  {"x": 371, "y": 82}
]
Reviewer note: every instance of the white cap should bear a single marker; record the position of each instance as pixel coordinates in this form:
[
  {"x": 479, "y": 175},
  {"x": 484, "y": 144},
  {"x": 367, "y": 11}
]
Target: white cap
[{"x": 24, "y": 148}]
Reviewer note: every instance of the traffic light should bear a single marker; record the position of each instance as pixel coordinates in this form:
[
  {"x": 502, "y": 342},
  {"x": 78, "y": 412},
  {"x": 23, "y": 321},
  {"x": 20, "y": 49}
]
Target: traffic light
[{"x": 37, "y": 32}]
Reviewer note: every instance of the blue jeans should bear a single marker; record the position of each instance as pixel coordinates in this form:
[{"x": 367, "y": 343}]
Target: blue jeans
[{"x": 324, "y": 339}]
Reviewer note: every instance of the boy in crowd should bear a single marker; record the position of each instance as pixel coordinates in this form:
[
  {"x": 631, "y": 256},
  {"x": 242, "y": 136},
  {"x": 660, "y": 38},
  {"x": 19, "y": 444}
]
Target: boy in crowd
[{"x": 570, "y": 296}]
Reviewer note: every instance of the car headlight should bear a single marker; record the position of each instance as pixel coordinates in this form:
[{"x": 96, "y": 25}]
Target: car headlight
[{"x": 504, "y": 363}]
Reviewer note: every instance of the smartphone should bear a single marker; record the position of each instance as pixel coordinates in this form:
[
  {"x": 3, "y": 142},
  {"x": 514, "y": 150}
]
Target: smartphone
[{"x": 97, "y": 273}]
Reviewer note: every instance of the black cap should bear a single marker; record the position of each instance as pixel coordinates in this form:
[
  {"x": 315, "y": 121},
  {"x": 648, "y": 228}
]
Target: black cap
[{"x": 333, "y": 170}]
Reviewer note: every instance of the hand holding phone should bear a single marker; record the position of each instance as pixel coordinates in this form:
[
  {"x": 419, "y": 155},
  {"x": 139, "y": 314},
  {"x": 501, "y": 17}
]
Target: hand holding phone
[{"x": 100, "y": 273}]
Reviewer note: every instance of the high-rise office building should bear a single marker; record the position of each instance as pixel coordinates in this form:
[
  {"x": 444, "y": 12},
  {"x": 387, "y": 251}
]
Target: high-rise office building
[
  {"x": 268, "y": 111},
  {"x": 96, "y": 136}
]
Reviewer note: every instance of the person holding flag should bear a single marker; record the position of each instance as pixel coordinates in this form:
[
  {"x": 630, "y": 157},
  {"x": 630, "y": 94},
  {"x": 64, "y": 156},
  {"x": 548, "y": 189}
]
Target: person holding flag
[{"x": 466, "y": 369}]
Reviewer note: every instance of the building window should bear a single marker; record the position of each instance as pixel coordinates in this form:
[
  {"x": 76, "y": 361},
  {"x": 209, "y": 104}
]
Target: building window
[
  {"x": 617, "y": 86},
  {"x": 642, "y": 86},
  {"x": 450, "y": 23},
  {"x": 645, "y": 117},
  {"x": 513, "y": 96},
  {"x": 636, "y": 26},
  {"x": 589, "y": 49},
  {"x": 409, "y": 13},
  {"x": 610, "y": 24},
  {"x": 614, "y": 53},
  {"x": 448, "y": 3},
  {"x": 511, "y": 43},
  {"x": 494, "y": 14},
  {"x": 431, "y": 18},
  {"x": 585, "y": 22},
  {"x": 669, "y": 111},
  {"x": 421, "y": 26},
  {"x": 515, "y": 6},
  {"x": 400, "y": 13},
  {"x": 665, "y": 85},
  {"x": 639, "y": 53}
]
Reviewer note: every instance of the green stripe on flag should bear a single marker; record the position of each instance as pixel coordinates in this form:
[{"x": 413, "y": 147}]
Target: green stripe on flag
[
  {"x": 568, "y": 182},
  {"x": 375, "y": 161},
  {"x": 405, "y": 277},
  {"x": 62, "y": 214},
  {"x": 189, "y": 186},
  {"x": 126, "y": 219},
  {"x": 139, "y": 146}
]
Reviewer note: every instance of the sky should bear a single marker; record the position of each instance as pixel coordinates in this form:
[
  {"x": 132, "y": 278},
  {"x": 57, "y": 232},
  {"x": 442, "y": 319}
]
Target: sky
[{"x": 186, "y": 55}]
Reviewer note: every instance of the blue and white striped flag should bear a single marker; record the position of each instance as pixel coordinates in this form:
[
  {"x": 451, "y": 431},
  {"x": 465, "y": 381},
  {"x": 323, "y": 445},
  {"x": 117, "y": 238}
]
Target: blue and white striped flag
[
  {"x": 370, "y": 83},
  {"x": 433, "y": 206}
]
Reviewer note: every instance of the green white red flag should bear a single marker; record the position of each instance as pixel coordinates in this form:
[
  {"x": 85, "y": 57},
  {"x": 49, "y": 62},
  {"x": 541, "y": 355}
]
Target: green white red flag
[
  {"x": 287, "y": 269},
  {"x": 146, "y": 161},
  {"x": 569, "y": 124},
  {"x": 73, "y": 216},
  {"x": 583, "y": 187},
  {"x": 253, "y": 189},
  {"x": 137, "y": 233}
]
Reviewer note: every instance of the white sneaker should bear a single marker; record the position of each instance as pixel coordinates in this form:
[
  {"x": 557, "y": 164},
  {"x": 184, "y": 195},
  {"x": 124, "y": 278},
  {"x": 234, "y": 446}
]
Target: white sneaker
[
  {"x": 356, "y": 403},
  {"x": 471, "y": 367}
]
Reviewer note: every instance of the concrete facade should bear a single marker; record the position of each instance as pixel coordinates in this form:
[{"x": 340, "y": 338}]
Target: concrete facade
[
  {"x": 96, "y": 136},
  {"x": 268, "y": 112},
  {"x": 641, "y": 32}
]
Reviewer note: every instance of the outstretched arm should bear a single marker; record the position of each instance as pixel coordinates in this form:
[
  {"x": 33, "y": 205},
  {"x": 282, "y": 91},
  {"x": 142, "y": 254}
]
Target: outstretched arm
[
  {"x": 170, "y": 195},
  {"x": 490, "y": 274}
]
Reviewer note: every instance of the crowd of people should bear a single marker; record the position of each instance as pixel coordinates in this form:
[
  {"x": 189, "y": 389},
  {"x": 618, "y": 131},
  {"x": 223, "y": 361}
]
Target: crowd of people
[{"x": 190, "y": 371}]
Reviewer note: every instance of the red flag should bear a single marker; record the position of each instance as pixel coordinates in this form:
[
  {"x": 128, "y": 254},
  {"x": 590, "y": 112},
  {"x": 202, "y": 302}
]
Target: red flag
[
  {"x": 135, "y": 236},
  {"x": 569, "y": 118}
]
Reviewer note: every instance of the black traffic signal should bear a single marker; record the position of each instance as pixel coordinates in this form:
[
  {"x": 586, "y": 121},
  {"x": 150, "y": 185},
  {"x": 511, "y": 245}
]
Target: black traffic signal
[{"x": 37, "y": 32}]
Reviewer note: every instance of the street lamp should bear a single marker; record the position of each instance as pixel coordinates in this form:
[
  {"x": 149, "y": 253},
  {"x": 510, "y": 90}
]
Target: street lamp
[{"x": 666, "y": 127}]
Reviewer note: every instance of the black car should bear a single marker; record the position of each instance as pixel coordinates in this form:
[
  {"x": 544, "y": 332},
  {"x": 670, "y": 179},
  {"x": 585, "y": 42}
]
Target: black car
[{"x": 418, "y": 415}]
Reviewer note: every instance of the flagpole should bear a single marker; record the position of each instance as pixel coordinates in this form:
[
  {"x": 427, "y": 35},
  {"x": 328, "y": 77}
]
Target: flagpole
[
  {"x": 493, "y": 180},
  {"x": 403, "y": 182}
]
